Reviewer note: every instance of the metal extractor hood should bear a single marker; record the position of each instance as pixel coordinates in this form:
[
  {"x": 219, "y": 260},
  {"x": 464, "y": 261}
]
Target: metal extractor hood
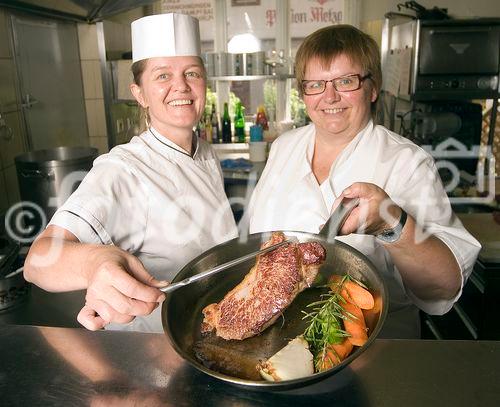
[{"x": 76, "y": 10}]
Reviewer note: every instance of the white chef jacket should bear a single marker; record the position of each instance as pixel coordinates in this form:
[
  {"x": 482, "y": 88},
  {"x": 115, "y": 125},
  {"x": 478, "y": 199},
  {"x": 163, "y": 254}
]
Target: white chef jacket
[
  {"x": 157, "y": 203},
  {"x": 288, "y": 197}
]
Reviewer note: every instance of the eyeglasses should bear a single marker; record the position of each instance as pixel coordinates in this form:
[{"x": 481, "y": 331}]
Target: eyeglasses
[{"x": 347, "y": 83}]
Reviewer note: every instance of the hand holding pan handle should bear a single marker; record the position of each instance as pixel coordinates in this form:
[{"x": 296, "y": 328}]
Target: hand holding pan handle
[{"x": 332, "y": 227}]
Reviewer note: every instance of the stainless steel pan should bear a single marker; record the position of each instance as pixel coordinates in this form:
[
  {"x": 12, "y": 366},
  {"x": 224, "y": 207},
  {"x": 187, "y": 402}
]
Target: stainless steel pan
[{"x": 234, "y": 361}]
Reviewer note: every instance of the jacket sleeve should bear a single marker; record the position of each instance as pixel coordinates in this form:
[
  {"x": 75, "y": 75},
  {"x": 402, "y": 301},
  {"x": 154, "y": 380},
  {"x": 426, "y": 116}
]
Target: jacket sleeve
[{"x": 422, "y": 195}]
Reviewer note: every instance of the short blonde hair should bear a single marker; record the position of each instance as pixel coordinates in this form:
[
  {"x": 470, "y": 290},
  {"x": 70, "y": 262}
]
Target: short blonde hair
[{"x": 332, "y": 41}]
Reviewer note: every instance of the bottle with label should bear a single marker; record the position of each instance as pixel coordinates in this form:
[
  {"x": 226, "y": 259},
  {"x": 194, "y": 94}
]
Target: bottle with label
[
  {"x": 261, "y": 118},
  {"x": 197, "y": 130},
  {"x": 272, "y": 132},
  {"x": 239, "y": 124},
  {"x": 226, "y": 125},
  {"x": 215, "y": 125},
  {"x": 202, "y": 133},
  {"x": 208, "y": 127}
]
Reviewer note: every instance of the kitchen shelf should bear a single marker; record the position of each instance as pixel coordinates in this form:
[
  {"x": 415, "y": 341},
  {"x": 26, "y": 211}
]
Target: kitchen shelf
[{"x": 249, "y": 77}]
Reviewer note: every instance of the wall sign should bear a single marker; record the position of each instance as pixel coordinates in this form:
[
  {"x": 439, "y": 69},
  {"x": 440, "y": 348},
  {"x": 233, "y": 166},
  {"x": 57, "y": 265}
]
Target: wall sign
[{"x": 306, "y": 16}]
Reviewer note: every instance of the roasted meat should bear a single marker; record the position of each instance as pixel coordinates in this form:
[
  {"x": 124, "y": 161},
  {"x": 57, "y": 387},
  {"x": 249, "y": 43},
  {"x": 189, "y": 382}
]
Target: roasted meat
[{"x": 265, "y": 292}]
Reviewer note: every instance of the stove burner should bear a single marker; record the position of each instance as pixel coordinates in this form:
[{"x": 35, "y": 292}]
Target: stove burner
[
  {"x": 14, "y": 296},
  {"x": 13, "y": 287}
]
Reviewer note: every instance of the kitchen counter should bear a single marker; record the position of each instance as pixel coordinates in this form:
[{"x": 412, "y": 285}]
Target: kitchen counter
[
  {"x": 486, "y": 230},
  {"x": 238, "y": 151},
  {"x": 71, "y": 367},
  {"x": 485, "y": 227},
  {"x": 475, "y": 315}
]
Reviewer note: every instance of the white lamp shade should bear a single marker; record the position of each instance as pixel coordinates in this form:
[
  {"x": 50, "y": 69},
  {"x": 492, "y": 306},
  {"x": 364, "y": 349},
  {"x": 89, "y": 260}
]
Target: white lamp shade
[{"x": 244, "y": 43}]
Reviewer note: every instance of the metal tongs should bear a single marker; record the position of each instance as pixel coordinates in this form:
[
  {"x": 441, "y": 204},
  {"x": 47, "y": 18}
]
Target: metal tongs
[
  {"x": 222, "y": 267},
  {"x": 329, "y": 230}
]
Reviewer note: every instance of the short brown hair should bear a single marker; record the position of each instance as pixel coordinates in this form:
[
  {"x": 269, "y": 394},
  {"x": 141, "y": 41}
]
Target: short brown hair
[{"x": 334, "y": 40}]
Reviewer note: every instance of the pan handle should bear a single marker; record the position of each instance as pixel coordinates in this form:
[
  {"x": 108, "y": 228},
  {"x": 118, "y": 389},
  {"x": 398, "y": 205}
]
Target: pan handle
[{"x": 332, "y": 227}]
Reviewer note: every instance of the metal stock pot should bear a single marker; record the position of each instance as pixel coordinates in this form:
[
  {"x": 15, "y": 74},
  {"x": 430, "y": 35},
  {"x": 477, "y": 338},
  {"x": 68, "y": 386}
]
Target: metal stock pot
[{"x": 47, "y": 178}]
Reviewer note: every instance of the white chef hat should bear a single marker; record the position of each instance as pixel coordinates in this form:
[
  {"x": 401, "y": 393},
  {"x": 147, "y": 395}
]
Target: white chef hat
[{"x": 165, "y": 35}]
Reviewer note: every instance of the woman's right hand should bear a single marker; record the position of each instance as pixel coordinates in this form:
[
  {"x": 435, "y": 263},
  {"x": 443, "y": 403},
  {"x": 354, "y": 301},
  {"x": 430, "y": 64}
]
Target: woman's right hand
[{"x": 119, "y": 288}]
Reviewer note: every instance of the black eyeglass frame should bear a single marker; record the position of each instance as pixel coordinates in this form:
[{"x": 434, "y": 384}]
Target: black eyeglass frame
[{"x": 360, "y": 78}]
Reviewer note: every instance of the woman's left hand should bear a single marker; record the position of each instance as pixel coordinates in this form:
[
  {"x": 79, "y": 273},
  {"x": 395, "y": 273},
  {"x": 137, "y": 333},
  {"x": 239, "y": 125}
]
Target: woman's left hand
[
  {"x": 428, "y": 267},
  {"x": 375, "y": 212}
]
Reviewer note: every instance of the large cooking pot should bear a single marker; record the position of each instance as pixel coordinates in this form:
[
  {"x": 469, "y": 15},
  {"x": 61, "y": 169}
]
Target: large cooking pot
[
  {"x": 47, "y": 177},
  {"x": 235, "y": 361}
]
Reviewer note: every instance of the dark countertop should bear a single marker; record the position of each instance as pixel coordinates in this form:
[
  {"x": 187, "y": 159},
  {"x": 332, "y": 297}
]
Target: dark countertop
[
  {"x": 71, "y": 367},
  {"x": 485, "y": 227}
]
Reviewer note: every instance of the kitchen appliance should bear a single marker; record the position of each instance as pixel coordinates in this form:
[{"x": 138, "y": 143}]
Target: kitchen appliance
[
  {"x": 46, "y": 179},
  {"x": 13, "y": 288},
  {"x": 85, "y": 11},
  {"x": 455, "y": 59},
  {"x": 448, "y": 64},
  {"x": 444, "y": 120},
  {"x": 9, "y": 251},
  {"x": 449, "y": 59}
]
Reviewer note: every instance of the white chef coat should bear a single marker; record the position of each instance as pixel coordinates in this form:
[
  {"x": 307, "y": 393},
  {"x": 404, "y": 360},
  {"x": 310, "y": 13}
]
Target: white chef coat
[
  {"x": 288, "y": 197},
  {"x": 157, "y": 203}
]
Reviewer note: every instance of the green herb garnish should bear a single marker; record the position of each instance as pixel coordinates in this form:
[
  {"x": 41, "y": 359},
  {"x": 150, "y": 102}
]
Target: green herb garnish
[{"x": 325, "y": 326}]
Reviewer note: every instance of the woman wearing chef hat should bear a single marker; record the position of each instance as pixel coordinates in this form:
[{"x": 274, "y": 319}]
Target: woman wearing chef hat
[{"x": 149, "y": 206}]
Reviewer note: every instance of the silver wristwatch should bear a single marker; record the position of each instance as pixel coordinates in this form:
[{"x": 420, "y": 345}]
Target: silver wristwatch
[{"x": 392, "y": 235}]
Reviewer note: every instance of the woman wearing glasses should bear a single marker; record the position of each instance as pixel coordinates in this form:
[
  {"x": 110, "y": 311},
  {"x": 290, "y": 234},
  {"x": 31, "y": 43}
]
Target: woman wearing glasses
[{"x": 403, "y": 222}]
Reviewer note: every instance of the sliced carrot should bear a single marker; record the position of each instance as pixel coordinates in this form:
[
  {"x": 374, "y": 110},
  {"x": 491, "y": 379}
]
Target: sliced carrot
[
  {"x": 353, "y": 292},
  {"x": 372, "y": 315},
  {"x": 342, "y": 349},
  {"x": 335, "y": 354},
  {"x": 329, "y": 360},
  {"x": 354, "y": 324}
]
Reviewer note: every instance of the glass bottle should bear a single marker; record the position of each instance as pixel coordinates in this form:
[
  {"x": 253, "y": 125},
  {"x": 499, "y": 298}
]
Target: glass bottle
[
  {"x": 208, "y": 127},
  {"x": 226, "y": 125},
  {"x": 239, "y": 124},
  {"x": 197, "y": 130},
  {"x": 215, "y": 125},
  {"x": 261, "y": 118}
]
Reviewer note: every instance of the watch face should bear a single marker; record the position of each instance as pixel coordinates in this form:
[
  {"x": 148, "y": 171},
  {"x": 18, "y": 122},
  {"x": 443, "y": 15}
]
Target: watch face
[
  {"x": 389, "y": 236},
  {"x": 392, "y": 235}
]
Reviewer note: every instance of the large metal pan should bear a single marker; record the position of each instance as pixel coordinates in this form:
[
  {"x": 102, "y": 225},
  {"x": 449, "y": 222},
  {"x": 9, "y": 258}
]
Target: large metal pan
[{"x": 235, "y": 361}]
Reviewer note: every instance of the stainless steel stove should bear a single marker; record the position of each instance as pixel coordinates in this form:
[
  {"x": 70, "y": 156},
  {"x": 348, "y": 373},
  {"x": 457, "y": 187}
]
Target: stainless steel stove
[
  {"x": 23, "y": 303},
  {"x": 13, "y": 288}
]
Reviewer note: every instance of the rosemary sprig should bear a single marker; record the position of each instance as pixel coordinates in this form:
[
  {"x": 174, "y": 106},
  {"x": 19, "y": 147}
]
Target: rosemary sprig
[{"x": 325, "y": 326}]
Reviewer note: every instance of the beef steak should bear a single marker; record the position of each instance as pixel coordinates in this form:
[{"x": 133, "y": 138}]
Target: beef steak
[{"x": 265, "y": 292}]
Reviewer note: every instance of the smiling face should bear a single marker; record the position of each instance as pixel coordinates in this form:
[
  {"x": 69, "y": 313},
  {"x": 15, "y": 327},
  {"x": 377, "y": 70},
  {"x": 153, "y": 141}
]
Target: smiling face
[
  {"x": 341, "y": 115},
  {"x": 173, "y": 89}
]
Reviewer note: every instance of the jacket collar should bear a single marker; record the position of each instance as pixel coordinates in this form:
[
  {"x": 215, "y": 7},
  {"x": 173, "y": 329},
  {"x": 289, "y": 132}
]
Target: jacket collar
[
  {"x": 306, "y": 144},
  {"x": 172, "y": 149}
]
